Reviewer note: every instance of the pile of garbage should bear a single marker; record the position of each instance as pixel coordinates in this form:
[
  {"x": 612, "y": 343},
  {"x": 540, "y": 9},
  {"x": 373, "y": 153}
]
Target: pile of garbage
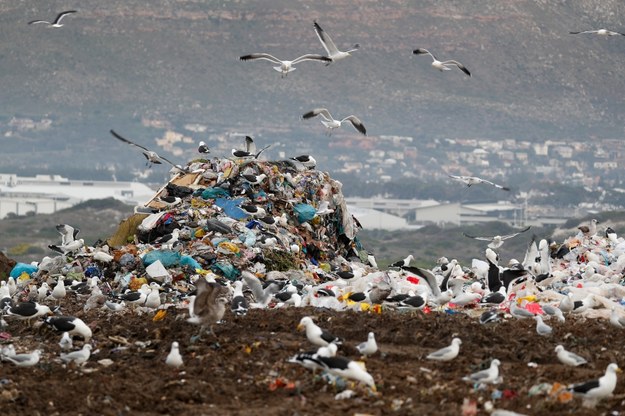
[{"x": 217, "y": 218}]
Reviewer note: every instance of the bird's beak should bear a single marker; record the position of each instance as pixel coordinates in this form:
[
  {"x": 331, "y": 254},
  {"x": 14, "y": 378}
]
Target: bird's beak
[
  {"x": 618, "y": 370},
  {"x": 300, "y": 327}
]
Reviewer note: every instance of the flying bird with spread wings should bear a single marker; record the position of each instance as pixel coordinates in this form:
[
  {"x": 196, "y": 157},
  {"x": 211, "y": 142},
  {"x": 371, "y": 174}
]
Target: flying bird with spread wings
[
  {"x": 473, "y": 180},
  {"x": 56, "y": 22},
  {"x": 151, "y": 156},
  {"x": 330, "y": 123},
  {"x": 333, "y": 52},
  {"x": 497, "y": 241},
  {"x": 442, "y": 65},
  {"x": 284, "y": 67}
]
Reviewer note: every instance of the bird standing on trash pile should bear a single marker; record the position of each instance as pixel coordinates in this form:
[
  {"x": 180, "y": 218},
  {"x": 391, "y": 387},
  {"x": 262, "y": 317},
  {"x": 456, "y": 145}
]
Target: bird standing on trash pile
[
  {"x": 69, "y": 248},
  {"x": 68, "y": 233},
  {"x": 590, "y": 229},
  {"x": 174, "y": 359},
  {"x": 239, "y": 304},
  {"x": 316, "y": 335},
  {"x": 27, "y": 311},
  {"x": 209, "y": 304},
  {"x": 78, "y": 357},
  {"x": 203, "y": 148},
  {"x": 23, "y": 360},
  {"x": 71, "y": 325},
  {"x": 490, "y": 375},
  {"x": 599, "y": 388},
  {"x": 569, "y": 358},
  {"x": 369, "y": 347},
  {"x": 447, "y": 353}
]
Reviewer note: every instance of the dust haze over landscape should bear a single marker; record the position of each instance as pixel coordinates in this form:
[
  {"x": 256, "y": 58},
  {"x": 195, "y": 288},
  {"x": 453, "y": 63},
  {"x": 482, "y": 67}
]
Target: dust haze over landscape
[{"x": 146, "y": 67}]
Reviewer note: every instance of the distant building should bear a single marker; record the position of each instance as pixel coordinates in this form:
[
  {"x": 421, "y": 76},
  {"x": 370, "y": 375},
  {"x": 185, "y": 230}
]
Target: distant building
[{"x": 45, "y": 194}]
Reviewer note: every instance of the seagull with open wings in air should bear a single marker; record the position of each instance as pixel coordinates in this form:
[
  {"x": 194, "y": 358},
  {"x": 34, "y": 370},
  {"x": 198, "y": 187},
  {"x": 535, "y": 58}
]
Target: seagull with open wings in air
[
  {"x": 333, "y": 52},
  {"x": 56, "y": 22},
  {"x": 284, "y": 67},
  {"x": 151, "y": 156},
  {"x": 497, "y": 241},
  {"x": 331, "y": 123},
  {"x": 442, "y": 65},
  {"x": 473, "y": 180}
]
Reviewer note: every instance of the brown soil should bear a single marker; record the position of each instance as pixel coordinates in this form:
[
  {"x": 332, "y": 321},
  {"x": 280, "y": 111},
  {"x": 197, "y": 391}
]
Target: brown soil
[{"x": 244, "y": 370}]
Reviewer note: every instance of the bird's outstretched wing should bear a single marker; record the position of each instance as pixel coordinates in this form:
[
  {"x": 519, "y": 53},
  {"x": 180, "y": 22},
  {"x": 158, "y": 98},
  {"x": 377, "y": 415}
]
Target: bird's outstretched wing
[
  {"x": 504, "y": 188},
  {"x": 505, "y": 237},
  {"x": 318, "y": 111},
  {"x": 356, "y": 123},
  {"x": 478, "y": 238},
  {"x": 264, "y": 56},
  {"x": 62, "y": 15},
  {"x": 117, "y": 136},
  {"x": 326, "y": 41}
]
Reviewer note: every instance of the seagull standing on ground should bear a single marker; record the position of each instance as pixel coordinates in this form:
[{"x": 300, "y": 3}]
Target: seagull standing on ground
[
  {"x": 490, "y": 375},
  {"x": 24, "y": 360},
  {"x": 174, "y": 359},
  {"x": 497, "y": 241},
  {"x": 151, "y": 157},
  {"x": 600, "y": 388},
  {"x": 369, "y": 347},
  {"x": 285, "y": 66},
  {"x": 442, "y": 65},
  {"x": 331, "y": 124},
  {"x": 56, "y": 22},
  {"x": 569, "y": 358},
  {"x": 447, "y": 353},
  {"x": 474, "y": 180},
  {"x": 209, "y": 305},
  {"x": 316, "y": 335},
  {"x": 79, "y": 357},
  {"x": 600, "y": 32},
  {"x": 333, "y": 52}
]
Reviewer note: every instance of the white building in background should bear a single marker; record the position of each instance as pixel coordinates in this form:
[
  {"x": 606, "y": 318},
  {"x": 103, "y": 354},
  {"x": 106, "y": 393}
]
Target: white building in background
[{"x": 45, "y": 194}]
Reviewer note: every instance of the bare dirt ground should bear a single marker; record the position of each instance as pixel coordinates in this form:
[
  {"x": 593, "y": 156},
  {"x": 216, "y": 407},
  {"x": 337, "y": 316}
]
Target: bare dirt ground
[{"x": 244, "y": 370}]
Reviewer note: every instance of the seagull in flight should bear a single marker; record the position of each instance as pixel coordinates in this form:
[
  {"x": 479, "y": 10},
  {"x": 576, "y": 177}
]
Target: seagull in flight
[
  {"x": 600, "y": 32},
  {"x": 333, "y": 52},
  {"x": 497, "y": 241},
  {"x": 152, "y": 157},
  {"x": 328, "y": 121},
  {"x": 472, "y": 180},
  {"x": 442, "y": 65},
  {"x": 56, "y": 22},
  {"x": 285, "y": 66}
]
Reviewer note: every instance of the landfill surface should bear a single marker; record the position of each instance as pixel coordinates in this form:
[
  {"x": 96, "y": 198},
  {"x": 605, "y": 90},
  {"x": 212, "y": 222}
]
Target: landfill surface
[{"x": 227, "y": 221}]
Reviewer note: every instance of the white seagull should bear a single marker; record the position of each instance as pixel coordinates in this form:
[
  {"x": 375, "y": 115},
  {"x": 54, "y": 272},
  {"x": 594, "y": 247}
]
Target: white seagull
[
  {"x": 600, "y": 32},
  {"x": 600, "y": 388},
  {"x": 490, "y": 375},
  {"x": 369, "y": 347},
  {"x": 56, "y": 22},
  {"x": 174, "y": 359},
  {"x": 203, "y": 148},
  {"x": 447, "y": 353},
  {"x": 330, "y": 123},
  {"x": 442, "y": 65},
  {"x": 541, "y": 327},
  {"x": 285, "y": 66},
  {"x": 79, "y": 357},
  {"x": 151, "y": 157},
  {"x": 333, "y": 52},
  {"x": 316, "y": 335},
  {"x": 24, "y": 360},
  {"x": 497, "y": 241},
  {"x": 568, "y": 357},
  {"x": 474, "y": 180}
]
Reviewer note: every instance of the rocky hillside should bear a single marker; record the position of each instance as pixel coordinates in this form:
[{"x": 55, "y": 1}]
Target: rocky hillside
[{"x": 132, "y": 64}]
